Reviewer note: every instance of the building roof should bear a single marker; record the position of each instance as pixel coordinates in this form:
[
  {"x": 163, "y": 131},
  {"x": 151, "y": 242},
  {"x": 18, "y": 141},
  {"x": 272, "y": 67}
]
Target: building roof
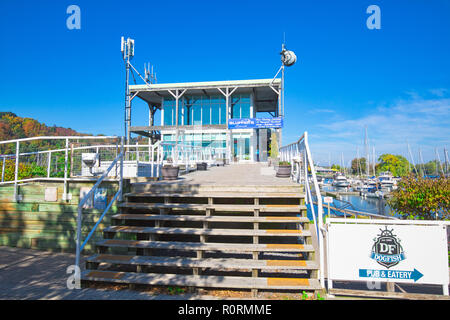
[{"x": 264, "y": 90}]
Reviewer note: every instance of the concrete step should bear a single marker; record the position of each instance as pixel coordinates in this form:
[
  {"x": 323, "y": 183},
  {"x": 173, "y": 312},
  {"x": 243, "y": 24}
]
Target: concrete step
[
  {"x": 221, "y": 194},
  {"x": 209, "y": 246},
  {"x": 216, "y": 207},
  {"x": 210, "y": 232},
  {"x": 202, "y": 281},
  {"x": 228, "y": 264},
  {"x": 203, "y": 218}
]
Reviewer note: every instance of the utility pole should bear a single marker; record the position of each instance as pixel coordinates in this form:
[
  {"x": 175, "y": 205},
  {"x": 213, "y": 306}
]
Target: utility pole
[{"x": 127, "y": 49}]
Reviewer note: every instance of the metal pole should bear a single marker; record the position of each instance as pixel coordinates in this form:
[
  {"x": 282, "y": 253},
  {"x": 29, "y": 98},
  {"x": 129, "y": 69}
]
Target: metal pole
[
  {"x": 127, "y": 98},
  {"x": 66, "y": 159},
  {"x": 77, "y": 253},
  {"x": 152, "y": 155},
  {"x": 122, "y": 151},
  {"x": 49, "y": 164},
  {"x": 3, "y": 169},
  {"x": 158, "y": 159},
  {"x": 16, "y": 171}
]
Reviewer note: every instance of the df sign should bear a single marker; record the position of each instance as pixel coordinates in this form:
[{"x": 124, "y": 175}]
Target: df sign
[{"x": 378, "y": 250}]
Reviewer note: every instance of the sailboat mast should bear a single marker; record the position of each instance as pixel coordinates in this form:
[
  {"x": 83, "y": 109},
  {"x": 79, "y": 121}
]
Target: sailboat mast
[
  {"x": 373, "y": 159},
  {"x": 412, "y": 159},
  {"x": 367, "y": 152}
]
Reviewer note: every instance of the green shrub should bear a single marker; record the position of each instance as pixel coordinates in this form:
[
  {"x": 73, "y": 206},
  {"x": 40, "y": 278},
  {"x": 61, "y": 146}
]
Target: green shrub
[{"x": 421, "y": 198}]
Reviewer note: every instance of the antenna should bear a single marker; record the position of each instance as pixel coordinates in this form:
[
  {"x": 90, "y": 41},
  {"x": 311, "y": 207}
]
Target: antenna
[{"x": 150, "y": 77}]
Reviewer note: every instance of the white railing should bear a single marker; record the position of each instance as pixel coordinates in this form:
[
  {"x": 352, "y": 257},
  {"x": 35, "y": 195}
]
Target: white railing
[
  {"x": 61, "y": 156},
  {"x": 90, "y": 194},
  {"x": 299, "y": 155}
]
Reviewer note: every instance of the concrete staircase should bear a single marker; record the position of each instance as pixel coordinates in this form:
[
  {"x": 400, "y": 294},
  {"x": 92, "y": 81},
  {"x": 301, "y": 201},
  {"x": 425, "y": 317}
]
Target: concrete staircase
[{"x": 210, "y": 237}]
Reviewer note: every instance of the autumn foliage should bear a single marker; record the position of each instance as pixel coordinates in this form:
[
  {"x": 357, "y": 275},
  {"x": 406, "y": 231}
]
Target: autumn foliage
[
  {"x": 422, "y": 198},
  {"x": 14, "y": 127}
]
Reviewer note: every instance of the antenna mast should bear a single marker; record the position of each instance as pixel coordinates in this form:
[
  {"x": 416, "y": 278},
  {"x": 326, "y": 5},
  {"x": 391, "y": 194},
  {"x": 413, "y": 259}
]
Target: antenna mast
[{"x": 127, "y": 49}]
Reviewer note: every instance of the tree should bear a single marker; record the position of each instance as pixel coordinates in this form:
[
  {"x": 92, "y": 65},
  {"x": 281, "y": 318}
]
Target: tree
[
  {"x": 422, "y": 198},
  {"x": 396, "y": 164},
  {"x": 359, "y": 165},
  {"x": 430, "y": 167}
]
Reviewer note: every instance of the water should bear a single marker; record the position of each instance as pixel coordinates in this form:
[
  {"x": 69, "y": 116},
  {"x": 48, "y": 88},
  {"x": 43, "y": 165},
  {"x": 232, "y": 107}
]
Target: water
[{"x": 358, "y": 203}]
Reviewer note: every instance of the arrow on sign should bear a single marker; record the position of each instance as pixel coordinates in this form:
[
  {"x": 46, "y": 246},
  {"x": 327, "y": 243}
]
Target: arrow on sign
[{"x": 391, "y": 274}]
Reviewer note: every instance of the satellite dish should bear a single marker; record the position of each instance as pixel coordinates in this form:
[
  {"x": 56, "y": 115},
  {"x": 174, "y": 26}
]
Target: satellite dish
[{"x": 288, "y": 57}]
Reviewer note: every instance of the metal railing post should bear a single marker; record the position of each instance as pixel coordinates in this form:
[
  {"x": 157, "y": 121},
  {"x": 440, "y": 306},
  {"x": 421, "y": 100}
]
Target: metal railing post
[
  {"x": 16, "y": 171},
  {"x": 49, "y": 164},
  {"x": 319, "y": 211},
  {"x": 3, "y": 169},
  {"x": 122, "y": 151},
  {"x": 66, "y": 160}
]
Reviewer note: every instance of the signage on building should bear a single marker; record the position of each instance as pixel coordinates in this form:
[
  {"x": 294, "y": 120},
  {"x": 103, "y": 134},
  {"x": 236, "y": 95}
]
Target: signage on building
[
  {"x": 255, "y": 123},
  {"x": 403, "y": 252}
]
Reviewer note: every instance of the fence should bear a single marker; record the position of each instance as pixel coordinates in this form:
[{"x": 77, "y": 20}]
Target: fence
[
  {"x": 299, "y": 155},
  {"x": 51, "y": 158}
]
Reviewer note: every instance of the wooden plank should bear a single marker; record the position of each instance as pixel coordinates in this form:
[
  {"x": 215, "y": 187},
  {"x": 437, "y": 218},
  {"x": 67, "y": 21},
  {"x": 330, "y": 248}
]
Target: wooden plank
[
  {"x": 217, "y": 195},
  {"x": 250, "y": 219},
  {"x": 216, "y": 207},
  {"x": 234, "y": 264},
  {"x": 211, "y": 232},
  {"x": 231, "y": 282},
  {"x": 225, "y": 247}
]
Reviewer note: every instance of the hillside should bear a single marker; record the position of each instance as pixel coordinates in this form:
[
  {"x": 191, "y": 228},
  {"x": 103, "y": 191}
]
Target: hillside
[{"x": 15, "y": 127}]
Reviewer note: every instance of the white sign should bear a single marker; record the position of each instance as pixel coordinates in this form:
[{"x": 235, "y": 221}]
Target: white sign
[
  {"x": 388, "y": 252},
  {"x": 327, "y": 199}
]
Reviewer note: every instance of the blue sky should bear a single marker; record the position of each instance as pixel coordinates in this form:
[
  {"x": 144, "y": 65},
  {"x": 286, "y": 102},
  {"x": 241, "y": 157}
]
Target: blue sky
[{"x": 395, "y": 81}]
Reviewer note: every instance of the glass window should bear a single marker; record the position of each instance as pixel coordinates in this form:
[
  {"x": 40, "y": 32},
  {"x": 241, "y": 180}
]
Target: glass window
[
  {"x": 245, "y": 110},
  {"x": 240, "y": 106},
  {"x": 215, "y": 114},
  {"x": 236, "y": 110},
  {"x": 197, "y": 114},
  {"x": 223, "y": 114},
  {"x": 206, "y": 114},
  {"x": 168, "y": 110}
]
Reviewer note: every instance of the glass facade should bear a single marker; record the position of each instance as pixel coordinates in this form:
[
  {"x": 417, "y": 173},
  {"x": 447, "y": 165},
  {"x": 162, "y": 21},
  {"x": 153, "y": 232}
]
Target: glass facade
[
  {"x": 240, "y": 106},
  {"x": 205, "y": 110},
  {"x": 209, "y": 110}
]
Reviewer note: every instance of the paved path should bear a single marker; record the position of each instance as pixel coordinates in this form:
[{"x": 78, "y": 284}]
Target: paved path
[
  {"x": 34, "y": 274},
  {"x": 234, "y": 174}
]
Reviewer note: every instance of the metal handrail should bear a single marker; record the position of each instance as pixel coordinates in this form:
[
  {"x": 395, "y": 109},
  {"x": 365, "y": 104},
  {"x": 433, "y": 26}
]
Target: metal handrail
[
  {"x": 66, "y": 150},
  {"x": 80, "y": 247},
  {"x": 300, "y": 153},
  {"x": 58, "y": 138}
]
